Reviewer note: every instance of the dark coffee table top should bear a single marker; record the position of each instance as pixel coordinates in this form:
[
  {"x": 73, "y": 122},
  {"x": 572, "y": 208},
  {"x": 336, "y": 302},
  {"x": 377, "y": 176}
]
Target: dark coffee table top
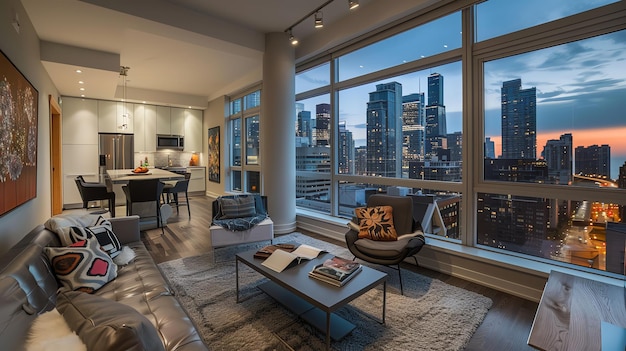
[{"x": 323, "y": 295}]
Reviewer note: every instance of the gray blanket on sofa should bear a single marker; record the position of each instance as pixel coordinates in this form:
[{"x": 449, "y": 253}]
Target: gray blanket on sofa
[{"x": 239, "y": 224}]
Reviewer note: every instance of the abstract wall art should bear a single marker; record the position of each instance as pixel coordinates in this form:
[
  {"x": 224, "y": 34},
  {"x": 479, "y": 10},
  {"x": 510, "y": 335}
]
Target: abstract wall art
[
  {"x": 214, "y": 154},
  {"x": 18, "y": 137}
]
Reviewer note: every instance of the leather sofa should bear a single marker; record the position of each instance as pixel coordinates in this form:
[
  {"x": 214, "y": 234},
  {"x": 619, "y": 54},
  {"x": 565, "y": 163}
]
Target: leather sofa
[{"x": 28, "y": 287}]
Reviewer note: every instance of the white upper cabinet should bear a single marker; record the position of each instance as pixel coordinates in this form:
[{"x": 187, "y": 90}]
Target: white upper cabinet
[
  {"x": 115, "y": 117},
  {"x": 145, "y": 127},
  {"x": 80, "y": 121},
  {"x": 177, "y": 121},
  {"x": 193, "y": 130},
  {"x": 163, "y": 120}
]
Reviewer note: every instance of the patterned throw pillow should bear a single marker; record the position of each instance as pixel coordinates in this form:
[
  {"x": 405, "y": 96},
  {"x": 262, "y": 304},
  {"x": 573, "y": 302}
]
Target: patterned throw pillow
[
  {"x": 82, "y": 266},
  {"x": 376, "y": 223},
  {"x": 101, "y": 230},
  {"x": 237, "y": 207}
]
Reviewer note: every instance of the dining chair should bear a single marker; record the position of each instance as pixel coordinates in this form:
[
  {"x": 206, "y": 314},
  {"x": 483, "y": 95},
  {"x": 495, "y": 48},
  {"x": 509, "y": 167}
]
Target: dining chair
[
  {"x": 181, "y": 186},
  {"x": 94, "y": 191},
  {"x": 144, "y": 191}
]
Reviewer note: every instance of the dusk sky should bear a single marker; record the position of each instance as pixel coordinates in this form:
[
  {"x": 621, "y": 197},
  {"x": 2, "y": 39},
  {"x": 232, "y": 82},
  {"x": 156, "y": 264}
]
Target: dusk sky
[{"x": 581, "y": 86}]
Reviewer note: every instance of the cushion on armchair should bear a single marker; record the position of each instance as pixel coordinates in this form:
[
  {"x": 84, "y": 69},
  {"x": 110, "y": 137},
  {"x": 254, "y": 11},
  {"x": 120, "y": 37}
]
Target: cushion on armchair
[
  {"x": 376, "y": 223},
  {"x": 237, "y": 207}
]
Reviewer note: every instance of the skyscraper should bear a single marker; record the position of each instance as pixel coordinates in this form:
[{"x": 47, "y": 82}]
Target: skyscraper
[
  {"x": 303, "y": 126},
  {"x": 322, "y": 124},
  {"x": 490, "y": 148},
  {"x": 436, "y": 130},
  {"x": 345, "y": 150},
  {"x": 384, "y": 131},
  {"x": 519, "y": 121},
  {"x": 560, "y": 159},
  {"x": 593, "y": 160},
  {"x": 413, "y": 119}
]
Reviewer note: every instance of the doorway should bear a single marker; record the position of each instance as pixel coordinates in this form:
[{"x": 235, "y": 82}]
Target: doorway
[{"x": 56, "y": 179}]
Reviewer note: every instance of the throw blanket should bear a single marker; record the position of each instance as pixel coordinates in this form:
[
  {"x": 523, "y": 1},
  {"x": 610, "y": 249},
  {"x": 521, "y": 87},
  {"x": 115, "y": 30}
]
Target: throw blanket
[{"x": 239, "y": 224}]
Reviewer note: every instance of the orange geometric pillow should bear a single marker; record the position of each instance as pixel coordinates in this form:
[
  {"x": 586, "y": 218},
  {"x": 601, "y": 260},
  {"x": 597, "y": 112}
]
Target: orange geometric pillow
[{"x": 376, "y": 223}]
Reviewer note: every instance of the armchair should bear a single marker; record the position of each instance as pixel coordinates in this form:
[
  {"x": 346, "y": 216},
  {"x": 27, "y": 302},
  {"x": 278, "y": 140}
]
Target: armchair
[
  {"x": 388, "y": 253},
  {"x": 233, "y": 224}
]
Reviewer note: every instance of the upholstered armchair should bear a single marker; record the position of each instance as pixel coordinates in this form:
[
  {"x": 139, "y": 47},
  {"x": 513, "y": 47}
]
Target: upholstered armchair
[{"x": 388, "y": 252}]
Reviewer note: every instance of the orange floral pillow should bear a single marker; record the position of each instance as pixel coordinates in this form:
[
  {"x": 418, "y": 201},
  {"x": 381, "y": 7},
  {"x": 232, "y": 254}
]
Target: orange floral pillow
[{"x": 376, "y": 223}]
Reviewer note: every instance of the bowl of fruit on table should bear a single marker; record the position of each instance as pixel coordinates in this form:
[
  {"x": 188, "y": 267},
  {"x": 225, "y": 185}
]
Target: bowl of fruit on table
[{"x": 140, "y": 169}]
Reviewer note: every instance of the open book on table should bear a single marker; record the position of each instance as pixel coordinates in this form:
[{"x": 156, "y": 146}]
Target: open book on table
[{"x": 281, "y": 259}]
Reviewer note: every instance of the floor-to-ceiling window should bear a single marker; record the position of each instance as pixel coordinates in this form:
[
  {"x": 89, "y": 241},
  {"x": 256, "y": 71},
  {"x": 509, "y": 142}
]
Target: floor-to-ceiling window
[
  {"x": 243, "y": 130},
  {"x": 507, "y": 118}
]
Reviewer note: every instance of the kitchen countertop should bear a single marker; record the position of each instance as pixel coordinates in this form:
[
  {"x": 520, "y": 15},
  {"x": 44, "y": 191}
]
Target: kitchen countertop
[{"x": 125, "y": 175}]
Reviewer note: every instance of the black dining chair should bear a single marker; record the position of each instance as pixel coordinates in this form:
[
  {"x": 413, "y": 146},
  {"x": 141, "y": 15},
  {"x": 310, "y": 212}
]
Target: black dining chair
[
  {"x": 148, "y": 190},
  {"x": 94, "y": 191},
  {"x": 181, "y": 186}
]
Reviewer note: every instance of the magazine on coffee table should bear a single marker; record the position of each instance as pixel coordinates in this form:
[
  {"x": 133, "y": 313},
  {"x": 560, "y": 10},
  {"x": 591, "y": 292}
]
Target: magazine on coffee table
[
  {"x": 268, "y": 250},
  {"x": 281, "y": 259},
  {"x": 336, "y": 271}
]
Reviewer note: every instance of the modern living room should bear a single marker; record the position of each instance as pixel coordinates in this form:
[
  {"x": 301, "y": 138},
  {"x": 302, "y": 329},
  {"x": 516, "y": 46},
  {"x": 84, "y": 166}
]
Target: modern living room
[{"x": 251, "y": 46}]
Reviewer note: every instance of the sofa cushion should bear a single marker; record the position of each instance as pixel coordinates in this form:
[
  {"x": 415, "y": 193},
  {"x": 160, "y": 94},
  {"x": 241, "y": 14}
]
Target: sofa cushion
[
  {"x": 105, "y": 325},
  {"x": 237, "y": 207},
  {"x": 103, "y": 233},
  {"x": 82, "y": 265},
  {"x": 376, "y": 223}
]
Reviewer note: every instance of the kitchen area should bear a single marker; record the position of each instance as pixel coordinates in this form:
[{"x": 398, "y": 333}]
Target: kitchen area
[{"x": 101, "y": 135}]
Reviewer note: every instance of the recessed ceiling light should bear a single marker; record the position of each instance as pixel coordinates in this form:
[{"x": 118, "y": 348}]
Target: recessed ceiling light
[
  {"x": 79, "y": 71},
  {"x": 81, "y": 82},
  {"x": 143, "y": 102},
  {"x": 82, "y": 95},
  {"x": 82, "y": 89}
]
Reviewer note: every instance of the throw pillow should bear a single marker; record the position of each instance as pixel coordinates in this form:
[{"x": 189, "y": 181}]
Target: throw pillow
[
  {"x": 237, "y": 207},
  {"x": 82, "y": 266},
  {"x": 101, "y": 230},
  {"x": 376, "y": 223},
  {"x": 104, "y": 324}
]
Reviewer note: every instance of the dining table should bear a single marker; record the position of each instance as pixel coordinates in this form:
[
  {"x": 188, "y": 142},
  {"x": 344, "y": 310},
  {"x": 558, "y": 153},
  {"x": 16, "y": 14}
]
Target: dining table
[{"x": 114, "y": 178}]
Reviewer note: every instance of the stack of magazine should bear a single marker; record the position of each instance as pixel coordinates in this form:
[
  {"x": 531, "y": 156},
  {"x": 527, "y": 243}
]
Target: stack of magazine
[{"x": 336, "y": 271}]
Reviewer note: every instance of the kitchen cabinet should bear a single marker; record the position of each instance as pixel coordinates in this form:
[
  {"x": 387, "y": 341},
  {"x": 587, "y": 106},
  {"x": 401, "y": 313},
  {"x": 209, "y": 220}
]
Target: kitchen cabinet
[
  {"x": 80, "y": 121},
  {"x": 177, "y": 121},
  {"x": 111, "y": 117},
  {"x": 145, "y": 127},
  {"x": 163, "y": 120},
  {"x": 193, "y": 130},
  {"x": 78, "y": 160},
  {"x": 197, "y": 181}
]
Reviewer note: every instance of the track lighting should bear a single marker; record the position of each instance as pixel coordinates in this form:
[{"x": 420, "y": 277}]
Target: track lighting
[
  {"x": 319, "y": 23},
  {"x": 293, "y": 40}
]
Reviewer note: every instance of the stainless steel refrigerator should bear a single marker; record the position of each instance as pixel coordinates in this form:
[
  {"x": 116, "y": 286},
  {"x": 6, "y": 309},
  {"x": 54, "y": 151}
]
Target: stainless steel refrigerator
[{"x": 116, "y": 151}]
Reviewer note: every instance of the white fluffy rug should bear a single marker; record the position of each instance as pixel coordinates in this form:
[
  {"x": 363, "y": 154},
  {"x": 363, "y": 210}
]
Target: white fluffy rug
[{"x": 431, "y": 315}]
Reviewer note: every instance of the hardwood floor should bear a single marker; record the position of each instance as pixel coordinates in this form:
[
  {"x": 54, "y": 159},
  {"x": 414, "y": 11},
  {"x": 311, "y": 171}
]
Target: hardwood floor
[{"x": 506, "y": 326}]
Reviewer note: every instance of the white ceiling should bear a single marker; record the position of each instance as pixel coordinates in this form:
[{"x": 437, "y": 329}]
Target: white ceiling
[{"x": 180, "y": 52}]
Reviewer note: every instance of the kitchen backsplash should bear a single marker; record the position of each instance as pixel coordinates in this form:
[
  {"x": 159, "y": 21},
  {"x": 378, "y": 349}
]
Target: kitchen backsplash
[{"x": 167, "y": 158}]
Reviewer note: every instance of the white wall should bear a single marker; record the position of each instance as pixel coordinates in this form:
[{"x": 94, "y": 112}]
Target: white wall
[{"x": 23, "y": 50}]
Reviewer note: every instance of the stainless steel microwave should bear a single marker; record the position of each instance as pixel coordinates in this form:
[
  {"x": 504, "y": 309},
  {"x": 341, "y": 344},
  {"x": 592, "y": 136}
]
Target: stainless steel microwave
[{"x": 174, "y": 142}]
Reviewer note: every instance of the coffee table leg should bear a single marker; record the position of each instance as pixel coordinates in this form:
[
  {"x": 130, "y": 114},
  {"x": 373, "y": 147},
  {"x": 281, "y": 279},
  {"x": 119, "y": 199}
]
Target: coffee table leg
[
  {"x": 237, "y": 277},
  {"x": 327, "y": 330},
  {"x": 384, "y": 299}
]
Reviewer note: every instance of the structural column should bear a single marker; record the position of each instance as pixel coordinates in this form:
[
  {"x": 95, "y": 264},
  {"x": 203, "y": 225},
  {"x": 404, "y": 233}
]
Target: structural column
[{"x": 277, "y": 131}]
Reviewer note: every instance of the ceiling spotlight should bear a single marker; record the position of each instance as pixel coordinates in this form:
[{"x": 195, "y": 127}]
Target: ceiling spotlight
[
  {"x": 352, "y": 4},
  {"x": 319, "y": 23},
  {"x": 293, "y": 40}
]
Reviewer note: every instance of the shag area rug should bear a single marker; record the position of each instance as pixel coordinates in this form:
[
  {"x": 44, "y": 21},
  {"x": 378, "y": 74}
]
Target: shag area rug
[{"x": 431, "y": 315}]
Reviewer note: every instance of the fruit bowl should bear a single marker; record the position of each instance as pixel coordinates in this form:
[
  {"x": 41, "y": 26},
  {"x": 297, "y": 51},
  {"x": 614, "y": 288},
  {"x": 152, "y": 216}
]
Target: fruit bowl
[{"x": 140, "y": 170}]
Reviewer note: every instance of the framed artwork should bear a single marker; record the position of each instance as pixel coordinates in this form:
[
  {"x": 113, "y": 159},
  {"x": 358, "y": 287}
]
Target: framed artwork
[
  {"x": 214, "y": 154},
  {"x": 18, "y": 137}
]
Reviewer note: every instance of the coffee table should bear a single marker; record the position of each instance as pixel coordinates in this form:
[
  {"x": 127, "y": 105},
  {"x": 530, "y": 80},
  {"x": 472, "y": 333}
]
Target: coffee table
[{"x": 312, "y": 300}]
